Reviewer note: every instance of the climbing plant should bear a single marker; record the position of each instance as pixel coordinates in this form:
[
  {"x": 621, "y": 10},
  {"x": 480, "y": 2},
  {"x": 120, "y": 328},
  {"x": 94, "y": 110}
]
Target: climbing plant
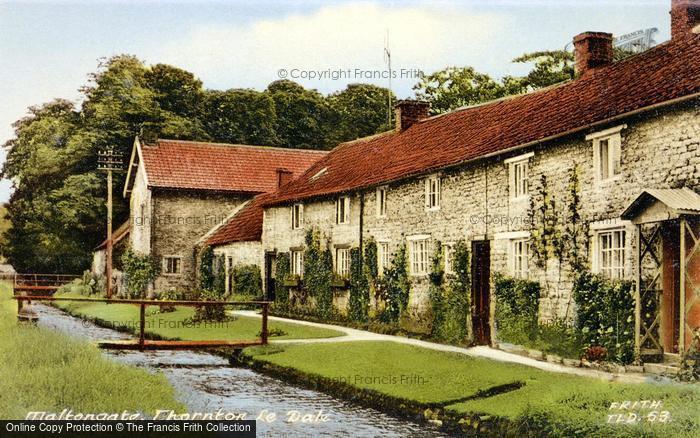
[
  {"x": 517, "y": 308},
  {"x": 450, "y": 295},
  {"x": 546, "y": 240},
  {"x": 206, "y": 268},
  {"x": 247, "y": 280},
  {"x": 358, "y": 305},
  {"x": 318, "y": 273},
  {"x": 395, "y": 287},
  {"x": 282, "y": 268},
  {"x": 576, "y": 230},
  {"x": 139, "y": 271},
  {"x": 218, "y": 284},
  {"x": 370, "y": 259}
]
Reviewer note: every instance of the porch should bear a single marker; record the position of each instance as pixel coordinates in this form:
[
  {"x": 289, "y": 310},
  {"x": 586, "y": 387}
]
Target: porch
[{"x": 667, "y": 294}]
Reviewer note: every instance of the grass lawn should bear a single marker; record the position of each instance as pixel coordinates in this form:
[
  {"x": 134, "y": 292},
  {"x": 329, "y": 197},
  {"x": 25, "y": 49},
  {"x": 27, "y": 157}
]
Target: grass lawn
[
  {"x": 432, "y": 377},
  {"x": 45, "y": 371},
  {"x": 174, "y": 325}
]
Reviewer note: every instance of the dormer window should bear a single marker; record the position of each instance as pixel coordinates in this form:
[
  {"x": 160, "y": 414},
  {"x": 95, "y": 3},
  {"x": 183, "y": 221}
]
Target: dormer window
[{"x": 607, "y": 148}]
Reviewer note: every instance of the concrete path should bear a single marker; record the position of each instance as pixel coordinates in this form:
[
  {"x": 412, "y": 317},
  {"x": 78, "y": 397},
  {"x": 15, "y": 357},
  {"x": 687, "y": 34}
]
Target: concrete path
[{"x": 353, "y": 335}]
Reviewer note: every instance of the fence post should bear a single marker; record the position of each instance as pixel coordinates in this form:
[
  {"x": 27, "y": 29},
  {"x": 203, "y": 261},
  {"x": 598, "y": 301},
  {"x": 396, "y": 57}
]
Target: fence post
[
  {"x": 142, "y": 326},
  {"x": 263, "y": 336}
]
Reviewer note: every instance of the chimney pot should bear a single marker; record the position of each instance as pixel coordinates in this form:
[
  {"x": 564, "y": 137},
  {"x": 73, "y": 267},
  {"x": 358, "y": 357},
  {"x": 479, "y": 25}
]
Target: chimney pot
[
  {"x": 409, "y": 112},
  {"x": 685, "y": 18},
  {"x": 592, "y": 50}
]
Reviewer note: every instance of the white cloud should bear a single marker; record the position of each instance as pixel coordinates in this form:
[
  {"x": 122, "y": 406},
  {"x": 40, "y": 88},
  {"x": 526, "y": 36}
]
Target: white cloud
[{"x": 334, "y": 37}]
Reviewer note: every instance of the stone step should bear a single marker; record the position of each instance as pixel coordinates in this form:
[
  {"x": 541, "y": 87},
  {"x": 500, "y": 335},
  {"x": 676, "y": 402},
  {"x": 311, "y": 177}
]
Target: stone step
[{"x": 661, "y": 369}]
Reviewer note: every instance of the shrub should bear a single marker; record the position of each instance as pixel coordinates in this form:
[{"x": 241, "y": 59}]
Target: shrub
[
  {"x": 209, "y": 313},
  {"x": 517, "y": 307},
  {"x": 596, "y": 353},
  {"x": 359, "y": 288},
  {"x": 169, "y": 295},
  {"x": 318, "y": 273},
  {"x": 247, "y": 280},
  {"x": 281, "y": 274},
  {"x": 92, "y": 284},
  {"x": 451, "y": 296},
  {"x": 206, "y": 269},
  {"x": 605, "y": 315},
  {"x": 219, "y": 276},
  {"x": 139, "y": 271},
  {"x": 394, "y": 287},
  {"x": 690, "y": 364}
]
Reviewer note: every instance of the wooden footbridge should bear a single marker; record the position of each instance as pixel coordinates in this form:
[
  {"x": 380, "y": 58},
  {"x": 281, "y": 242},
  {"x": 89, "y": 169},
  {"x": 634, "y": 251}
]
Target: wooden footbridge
[{"x": 38, "y": 287}]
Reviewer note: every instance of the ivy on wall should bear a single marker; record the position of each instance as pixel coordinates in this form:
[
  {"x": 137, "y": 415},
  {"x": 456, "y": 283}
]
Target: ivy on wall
[
  {"x": 576, "y": 230},
  {"x": 358, "y": 305},
  {"x": 318, "y": 273},
  {"x": 546, "y": 240},
  {"x": 139, "y": 271},
  {"x": 206, "y": 269},
  {"x": 450, "y": 295},
  {"x": 282, "y": 269},
  {"x": 517, "y": 308},
  {"x": 395, "y": 287},
  {"x": 218, "y": 286}
]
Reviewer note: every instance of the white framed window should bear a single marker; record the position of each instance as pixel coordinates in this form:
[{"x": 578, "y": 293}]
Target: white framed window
[
  {"x": 296, "y": 258},
  {"x": 432, "y": 193},
  {"x": 172, "y": 265},
  {"x": 607, "y": 148},
  {"x": 611, "y": 249},
  {"x": 520, "y": 257},
  {"x": 342, "y": 210},
  {"x": 448, "y": 257},
  {"x": 381, "y": 202},
  {"x": 419, "y": 255},
  {"x": 297, "y": 216},
  {"x": 342, "y": 262},
  {"x": 383, "y": 257}
]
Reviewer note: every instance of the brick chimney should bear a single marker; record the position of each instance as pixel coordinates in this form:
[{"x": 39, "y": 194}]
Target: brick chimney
[
  {"x": 592, "y": 50},
  {"x": 685, "y": 17},
  {"x": 283, "y": 177},
  {"x": 409, "y": 112}
]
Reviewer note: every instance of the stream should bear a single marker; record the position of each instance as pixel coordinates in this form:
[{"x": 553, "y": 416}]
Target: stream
[{"x": 206, "y": 383}]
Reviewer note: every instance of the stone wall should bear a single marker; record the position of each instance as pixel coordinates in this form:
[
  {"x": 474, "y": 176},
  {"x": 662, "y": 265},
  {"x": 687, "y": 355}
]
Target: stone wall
[
  {"x": 140, "y": 207},
  {"x": 179, "y": 220},
  {"x": 659, "y": 150}
]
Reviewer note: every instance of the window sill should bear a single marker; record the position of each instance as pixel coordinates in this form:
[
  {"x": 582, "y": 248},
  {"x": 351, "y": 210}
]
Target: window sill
[
  {"x": 171, "y": 274},
  {"x": 606, "y": 181},
  {"x": 432, "y": 209},
  {"x": 520, "y": 199}
]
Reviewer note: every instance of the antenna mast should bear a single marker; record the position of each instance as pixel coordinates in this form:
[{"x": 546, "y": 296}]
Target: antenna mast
[{"x": 387, "y": 61}]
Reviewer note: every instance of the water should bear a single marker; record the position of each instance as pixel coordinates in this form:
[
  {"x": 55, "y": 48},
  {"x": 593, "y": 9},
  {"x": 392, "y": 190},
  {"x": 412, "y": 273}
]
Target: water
[{"x": 206, "y": 383}]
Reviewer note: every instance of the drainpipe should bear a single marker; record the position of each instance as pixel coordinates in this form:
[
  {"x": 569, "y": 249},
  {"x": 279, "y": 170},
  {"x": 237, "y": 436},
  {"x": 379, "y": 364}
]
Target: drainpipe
[{"x": 362, "y": 223}]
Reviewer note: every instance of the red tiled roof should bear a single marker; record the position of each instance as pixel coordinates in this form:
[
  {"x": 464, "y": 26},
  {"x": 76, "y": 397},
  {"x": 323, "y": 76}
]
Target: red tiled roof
[
  {"x": 224, "y": 167},
  {"x": 245, "y": 226},
  {"x": 664, "y": 73}
]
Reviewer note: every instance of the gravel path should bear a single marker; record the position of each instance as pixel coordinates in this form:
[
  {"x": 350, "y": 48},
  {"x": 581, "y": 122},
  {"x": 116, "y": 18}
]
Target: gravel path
[{"x": 352, "y": 335}]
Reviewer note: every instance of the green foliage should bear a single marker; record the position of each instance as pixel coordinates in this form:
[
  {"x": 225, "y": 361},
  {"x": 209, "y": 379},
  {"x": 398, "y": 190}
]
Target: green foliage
[
  {"x": 282, "y": 269},
  {"x": 450, "y": 296},
  {"x": 690, "y": 363},
  {"x": 240, "y": 116},
  {"x": 370, "y": 260},
  {"x": 359, "y": 287},
  {"x": 93, "y": 284},
  {"x": 576, "y": 231},
  {"x": 455, "y": 87},
  {"x": 517, "y": 307},
  {"x": 139, "y": 271},
  {"x": 361, "y": 110},
  {"x": 551, "y": 67},
  {"x": 546, "y": 239},
  {"x": 219, "y": 275},
  {"x": 209, "y": 313},
  {"x": 605, "y": 314},
  {"x": 318, "y": 273},
  {"x": 395, "y": 286},
  {"x": 247, "y": 280},
  {"x": 206, "y": 268}
]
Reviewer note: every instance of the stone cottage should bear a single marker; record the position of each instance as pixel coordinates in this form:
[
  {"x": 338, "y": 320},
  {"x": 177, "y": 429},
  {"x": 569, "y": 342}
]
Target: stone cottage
[
  {"x": 629, "y": 131},
  {"x": 178, "y": 190}
]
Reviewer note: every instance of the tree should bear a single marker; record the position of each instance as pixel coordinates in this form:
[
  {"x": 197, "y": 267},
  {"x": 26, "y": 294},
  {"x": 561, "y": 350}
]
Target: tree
[
  {"x": 303, "y": 117},
  {"x": 551, "y": 67},
  {"x": 240, "y": 116},
  {"x": 456, "y": 87},
  {"x": 360, "y": 110}
]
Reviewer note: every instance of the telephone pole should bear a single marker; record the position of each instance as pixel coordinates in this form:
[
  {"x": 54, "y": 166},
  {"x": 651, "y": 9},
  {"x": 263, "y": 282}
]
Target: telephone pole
[{"x": 109, "y": 161}]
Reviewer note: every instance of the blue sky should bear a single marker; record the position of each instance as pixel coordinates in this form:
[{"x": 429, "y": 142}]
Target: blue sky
[{"x": 48, "y": 48}]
